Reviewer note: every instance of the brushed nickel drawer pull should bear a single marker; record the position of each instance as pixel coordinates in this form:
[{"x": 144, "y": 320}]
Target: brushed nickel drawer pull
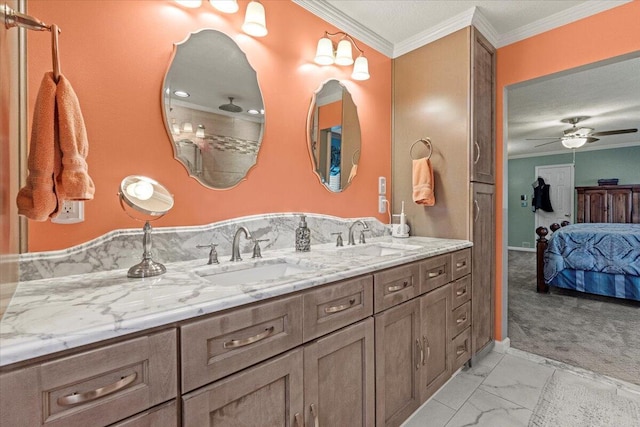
[
  {"x": 88, "y": 396},
  {"x": 246, "y": 341},
  {"x": 477, "y": 146},
  {"x": 461, "y": 319},
  {"x": 460, "y": 264},
  {"x": 438, "y": 273},
  {"x": 314, "y": 413},
  {"x": 461, "y": 350},
  {"x": 339, "y": 308},
  {"x": 397, "y": 288},
  {"x": 428, "y": 346},
  {"x": 421, "y": 361},
  {"x": 298, "y": 419},
  {"x": 461, "y": 292}
]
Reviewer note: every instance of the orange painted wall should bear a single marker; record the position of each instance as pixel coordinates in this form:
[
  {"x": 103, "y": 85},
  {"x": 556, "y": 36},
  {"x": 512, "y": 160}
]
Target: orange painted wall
[
  {"x": 605, "y": 35},
  {"x": 116, "y": 53},
  {"x": 330, "y": 115}
]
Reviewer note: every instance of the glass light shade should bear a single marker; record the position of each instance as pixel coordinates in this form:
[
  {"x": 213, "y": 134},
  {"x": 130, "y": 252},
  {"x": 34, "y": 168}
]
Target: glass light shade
[
  {"x": 225, "y": 6},
  {"x": 343, "y": 54},
  {"x": 324, "y": 52},
  {"x": 254, "y": 20},
  {"x": 574, "y": 142},
  {"x": 190, "y": 3},
  {"x": 360, "y": 69},
  {"x": 175, "y": 129},
  {"x": 187, "y": 127},
  {"x": 200, "y": 132}
]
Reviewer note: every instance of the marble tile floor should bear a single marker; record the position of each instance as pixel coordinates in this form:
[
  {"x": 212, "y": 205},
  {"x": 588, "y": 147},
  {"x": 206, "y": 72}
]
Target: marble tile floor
[{"x": 502, "y": 390}]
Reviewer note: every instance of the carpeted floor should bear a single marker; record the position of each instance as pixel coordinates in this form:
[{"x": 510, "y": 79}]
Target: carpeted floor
[{"x": 596, "y": 333}]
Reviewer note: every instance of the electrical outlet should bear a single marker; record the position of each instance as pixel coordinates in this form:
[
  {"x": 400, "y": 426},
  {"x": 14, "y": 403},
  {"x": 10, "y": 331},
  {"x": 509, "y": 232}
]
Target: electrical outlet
[
  {"x": 71, "y": 212},
  {"x": 382, "y": 201},
  {"x": 382, "y": 185}
]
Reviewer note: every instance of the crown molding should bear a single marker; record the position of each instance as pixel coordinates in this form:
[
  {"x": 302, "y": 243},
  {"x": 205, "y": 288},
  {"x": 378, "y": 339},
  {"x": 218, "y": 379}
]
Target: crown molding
[
  {"x": 483, "y": 25},
  {"x": 592, "y": 147},
  {"x": 556, "y": 20},
  {"x": 335, "y": 17}
]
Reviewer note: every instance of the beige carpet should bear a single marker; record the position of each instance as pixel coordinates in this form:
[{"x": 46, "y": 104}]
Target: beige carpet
[
  {"x": 596, "y": 333},
  {"x": 571, "y": 401}
]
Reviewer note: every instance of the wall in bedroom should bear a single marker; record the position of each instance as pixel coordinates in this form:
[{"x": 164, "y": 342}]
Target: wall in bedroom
[{"x": 621, "y": 163}]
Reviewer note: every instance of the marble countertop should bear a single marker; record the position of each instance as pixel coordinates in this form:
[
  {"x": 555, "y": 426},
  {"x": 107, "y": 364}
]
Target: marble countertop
[{"x": 50, "y": 315}]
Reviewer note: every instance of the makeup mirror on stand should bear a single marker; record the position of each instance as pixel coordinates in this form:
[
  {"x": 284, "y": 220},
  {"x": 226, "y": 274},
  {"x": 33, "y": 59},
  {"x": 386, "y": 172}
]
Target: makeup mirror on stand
[{"x": 144, "y": 199}]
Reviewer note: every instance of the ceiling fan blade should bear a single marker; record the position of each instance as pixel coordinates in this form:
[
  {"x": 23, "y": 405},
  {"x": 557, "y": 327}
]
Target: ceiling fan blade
[
  {"x": 592, "y": 139},
  {"x": 613, "y": 132},
  {"x": 547, "y": 143},
  {"x": 540, "y": 139}
]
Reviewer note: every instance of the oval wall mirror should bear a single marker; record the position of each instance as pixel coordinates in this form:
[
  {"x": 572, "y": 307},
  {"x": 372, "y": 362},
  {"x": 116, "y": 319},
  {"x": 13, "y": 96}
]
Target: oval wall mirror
[
  {"x": 334, "y": 135},
  {"x": 213, "y": 109}
]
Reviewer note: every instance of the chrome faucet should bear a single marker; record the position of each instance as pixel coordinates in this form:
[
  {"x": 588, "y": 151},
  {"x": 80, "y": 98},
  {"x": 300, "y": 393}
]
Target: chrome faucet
[
  {"x": 235, "y": 247},
  {"x": 364, "y": 227}
]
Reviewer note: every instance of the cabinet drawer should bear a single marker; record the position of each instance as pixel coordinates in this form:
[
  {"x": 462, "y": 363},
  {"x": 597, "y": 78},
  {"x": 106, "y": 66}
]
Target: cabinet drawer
[
  {"x": 460, "y": 291},
  {"x": 460, "y": 263},
  {"x": 395, "y": 285},
  {"x": 435, "y": 272},
  {"x": 161, "y": 416},
  {"x": 335, "y": 306},
  {"x": 460, "y": 319},
  {"x": 461, "y": 349},
  {"x": 215, "y": 347},
  {"x": 96, "y": 387}
]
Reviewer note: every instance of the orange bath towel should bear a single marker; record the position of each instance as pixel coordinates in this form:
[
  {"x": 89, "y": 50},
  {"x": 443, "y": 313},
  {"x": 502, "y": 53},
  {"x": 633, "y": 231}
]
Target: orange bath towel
[
  {"x": 37, "y": 199},
  {"x": 73, "y": 182},
  {"x": 423, "y": 184},
  {"x": 57, "y": 152}
]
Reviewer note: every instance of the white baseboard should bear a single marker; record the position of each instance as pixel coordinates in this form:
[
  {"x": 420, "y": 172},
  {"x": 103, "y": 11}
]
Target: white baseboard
[
  {"x": 521, "y": 249},
  {"x": 502, "y": 346}
]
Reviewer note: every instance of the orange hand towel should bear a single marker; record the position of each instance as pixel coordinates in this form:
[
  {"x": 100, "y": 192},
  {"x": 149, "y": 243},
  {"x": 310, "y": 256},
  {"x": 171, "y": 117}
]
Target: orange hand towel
[
  {"x": 423, "y": 184},
  {"x": 73, "y": 182},
  {"x": 37, "y": 199}
]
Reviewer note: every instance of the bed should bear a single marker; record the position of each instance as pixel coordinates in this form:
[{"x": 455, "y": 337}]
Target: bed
[{"x": 602, "y": 259}]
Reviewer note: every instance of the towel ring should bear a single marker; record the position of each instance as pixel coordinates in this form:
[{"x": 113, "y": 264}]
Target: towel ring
[
  {"x": 353, "y": 157},
  {"x": 426, "y": 141}
]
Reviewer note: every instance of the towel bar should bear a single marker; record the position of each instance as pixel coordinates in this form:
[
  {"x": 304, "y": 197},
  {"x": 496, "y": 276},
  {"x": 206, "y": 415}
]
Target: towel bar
[{"x": 426, "y": 141}]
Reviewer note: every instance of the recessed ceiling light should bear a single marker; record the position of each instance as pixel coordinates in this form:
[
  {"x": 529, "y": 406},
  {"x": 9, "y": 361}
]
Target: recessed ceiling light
[{"x": 181, "y": 93}]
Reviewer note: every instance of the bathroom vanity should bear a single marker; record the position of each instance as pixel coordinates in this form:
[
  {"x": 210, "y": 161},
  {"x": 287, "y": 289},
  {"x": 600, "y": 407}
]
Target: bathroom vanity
[{"x": 354, "y": 335}]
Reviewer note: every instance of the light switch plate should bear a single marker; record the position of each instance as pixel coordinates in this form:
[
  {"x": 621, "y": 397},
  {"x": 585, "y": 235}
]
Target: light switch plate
[{"x": 382, "y": 185}]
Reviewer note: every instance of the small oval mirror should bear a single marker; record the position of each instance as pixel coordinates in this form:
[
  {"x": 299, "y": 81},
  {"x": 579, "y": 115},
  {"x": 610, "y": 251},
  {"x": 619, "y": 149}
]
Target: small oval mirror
[
  {"x": 213, "y": 109},
  {"x": 334, "y": 135}
]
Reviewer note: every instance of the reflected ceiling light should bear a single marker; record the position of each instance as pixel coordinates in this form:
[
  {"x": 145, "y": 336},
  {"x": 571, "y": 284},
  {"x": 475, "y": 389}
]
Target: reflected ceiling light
[
  {"x": 231, "y": 107},
  {"x": 342, "y": 55},
  {"x": 254, "y": 20},
  {"x": 181, "y": 93},
  {"x": 253, "y": 111},
  {"x": 189, "y": 3},
  {"x": 200, "y": 131},
  {"x": 187, "y": 127},
  {"x": 141, "y": 190},
  {"x": 225, "y": 6},
  {"x": 574, "y": 142}
]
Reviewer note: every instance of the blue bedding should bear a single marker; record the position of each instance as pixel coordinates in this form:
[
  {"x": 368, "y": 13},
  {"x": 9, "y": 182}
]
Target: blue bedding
[{"x": 607, "y": 249}]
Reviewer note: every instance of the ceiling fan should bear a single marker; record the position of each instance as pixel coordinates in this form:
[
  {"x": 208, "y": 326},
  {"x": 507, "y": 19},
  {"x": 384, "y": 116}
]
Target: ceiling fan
[{"x": 576, "y": 137}]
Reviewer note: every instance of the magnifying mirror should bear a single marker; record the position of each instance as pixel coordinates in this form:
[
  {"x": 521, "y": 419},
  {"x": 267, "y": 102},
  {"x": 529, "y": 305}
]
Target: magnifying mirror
[{"x": 144, "y": 199}]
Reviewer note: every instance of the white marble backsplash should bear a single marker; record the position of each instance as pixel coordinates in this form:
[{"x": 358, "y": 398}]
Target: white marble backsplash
[{"x": 121, "y": 249}]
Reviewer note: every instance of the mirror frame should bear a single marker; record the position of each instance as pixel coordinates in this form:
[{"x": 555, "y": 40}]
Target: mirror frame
[{"x": 309, "y": 131}]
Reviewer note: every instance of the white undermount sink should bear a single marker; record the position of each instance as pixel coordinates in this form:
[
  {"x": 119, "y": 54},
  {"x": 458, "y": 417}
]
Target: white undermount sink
[
  {"x": 254, "y": 272},
  {"x": 378, "y": 249}
]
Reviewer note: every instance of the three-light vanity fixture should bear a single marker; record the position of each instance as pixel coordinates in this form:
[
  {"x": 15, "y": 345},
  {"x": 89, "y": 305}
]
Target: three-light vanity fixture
[
  {"x": 254, "y": 18},
  {"x": 342, "y": 54}
]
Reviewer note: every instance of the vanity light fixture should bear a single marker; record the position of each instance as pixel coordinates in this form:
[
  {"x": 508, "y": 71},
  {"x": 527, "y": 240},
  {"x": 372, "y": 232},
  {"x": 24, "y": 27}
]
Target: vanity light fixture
[
  {"x": 573, "y": 142},
  {"x": 200, "y": 131},
  {"x": 225, "y": 6},
  {"x": 175, "y": 129},
  {"x": 254, "y": 20},
  {"x": 181, "y": 93},
  {"x": 190, "y": 3},
  {"x": 342, "y": 55},
  {"x": 187, "y": 127}
]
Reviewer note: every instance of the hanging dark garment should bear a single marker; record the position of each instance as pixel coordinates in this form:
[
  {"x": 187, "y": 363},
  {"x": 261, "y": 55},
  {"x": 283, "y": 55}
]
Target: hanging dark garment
[{"x": 541, "y": 199}]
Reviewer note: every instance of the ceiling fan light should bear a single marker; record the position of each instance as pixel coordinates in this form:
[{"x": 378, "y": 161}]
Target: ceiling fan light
[{"x": 574, "y": 142}]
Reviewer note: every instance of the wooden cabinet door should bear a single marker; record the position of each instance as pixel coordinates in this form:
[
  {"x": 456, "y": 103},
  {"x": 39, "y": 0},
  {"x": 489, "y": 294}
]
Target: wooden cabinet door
[
  {"x": 619, "y": 205},
  {"x": 482, "y": 144},
  {"x": 595, "y": 206},
  {"x": 397, "y": 363},
  {"x": 268, "y": 394},
  {"x": 435, "y": 312},
  {"x": 482, "y": 261},
  {"x": 339, "y": 378}
]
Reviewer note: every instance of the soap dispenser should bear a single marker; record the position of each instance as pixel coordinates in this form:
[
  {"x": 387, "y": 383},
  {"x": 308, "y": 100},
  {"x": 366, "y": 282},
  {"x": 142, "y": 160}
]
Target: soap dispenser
[{"x": 303, "y": 236}]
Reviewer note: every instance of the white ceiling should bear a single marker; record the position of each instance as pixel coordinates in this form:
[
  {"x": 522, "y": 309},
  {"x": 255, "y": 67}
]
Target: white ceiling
[{"x": 609, "y": 93}]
